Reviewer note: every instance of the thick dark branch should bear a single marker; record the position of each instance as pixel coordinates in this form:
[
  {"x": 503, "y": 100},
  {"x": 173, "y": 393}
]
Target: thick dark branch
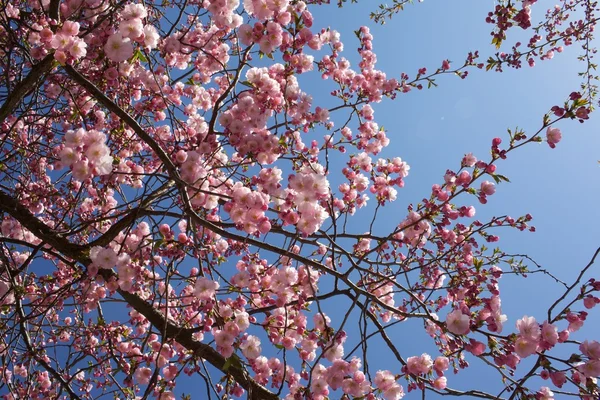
[
  {"x": 31, "y": 81},
  {"x": 26, "y": 86},
  {"x": 48, "y": 235},
  {"x": 182, "y": 336}
]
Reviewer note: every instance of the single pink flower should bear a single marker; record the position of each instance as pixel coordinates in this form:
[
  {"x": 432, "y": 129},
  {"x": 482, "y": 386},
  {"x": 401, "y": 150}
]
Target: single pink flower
[
  {"x": 458, "y": 323},
  {"x": 118, "y": 48},
  {"x": 553, "y": 136}
]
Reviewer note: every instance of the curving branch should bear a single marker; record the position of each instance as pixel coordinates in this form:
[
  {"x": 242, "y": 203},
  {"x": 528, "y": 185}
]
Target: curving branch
[{"x": 183, "y": 336}]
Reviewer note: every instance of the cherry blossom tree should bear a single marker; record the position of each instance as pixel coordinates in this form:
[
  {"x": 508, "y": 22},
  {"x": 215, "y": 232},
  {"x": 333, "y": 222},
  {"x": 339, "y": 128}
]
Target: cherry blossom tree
[{"x": 175, "y": 207}]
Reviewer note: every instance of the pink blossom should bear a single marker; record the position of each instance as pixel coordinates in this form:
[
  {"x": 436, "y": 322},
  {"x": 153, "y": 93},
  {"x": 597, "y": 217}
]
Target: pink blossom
[
  {"x": 529, "y": 328},
  {"x": 590, "y": 302},
  {"x": 251, "y": 347},
  {"x": 549, "y": 334},
  {"x": 168, "y": 395},
  {"x": 170, "y": 371},
  {"x": 558, "y": 378},
  {"x": 356, "y": 386},
  {"x": 384, "y": 380},
  {"x": 105, "y": 258},
  {"x": 77, "y": 48},
  {"x": 441, "y": 364},
  {"x": 132, "y": 11},
  {"x": 458, "y": 323},
  {"x": 469, "y": 160},
  {"x": 475, "y": 347},
  {"x": 544, "y": 394},
  {"x": 440, "y": 383},
  {"x": 69, "y": 156},
  {"x": 553, "y": 136},
  {"x": 488, "y": 188},
  {"x": 524, "y": 347},
  {"x": 396, "y": 392},
  {"x": 419, "y": 365},
  {"x": 131, "y": 29},
  {"x": 151, "y": 37},
  {"x": 223, "y": 338},
  {"x": 118, "y": 48},
  {"x": 6, "y": 295},
  {"x": 143, "y": 375},
  {"x": 591, "y": 369},
  {"x": 590, "y": 349},
  {"x": 205, "y": 288}
]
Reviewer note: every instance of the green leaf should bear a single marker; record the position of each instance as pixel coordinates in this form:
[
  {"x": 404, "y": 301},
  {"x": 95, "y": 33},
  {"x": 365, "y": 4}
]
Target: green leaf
[
  {"x": 138, "y": 55},
  {"x": 502, "y": 177},
  {"x": 234, "y": 360},
  {"x": 227, "y": 364}
]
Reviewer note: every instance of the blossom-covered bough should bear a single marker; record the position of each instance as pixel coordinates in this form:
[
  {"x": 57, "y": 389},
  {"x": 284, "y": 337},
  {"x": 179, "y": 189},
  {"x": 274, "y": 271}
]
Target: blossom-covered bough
[{"x": 180, "y": 218}]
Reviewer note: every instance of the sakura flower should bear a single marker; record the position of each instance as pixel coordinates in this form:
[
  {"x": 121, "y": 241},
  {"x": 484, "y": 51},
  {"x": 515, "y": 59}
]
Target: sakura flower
[
  {"x": 251, "y": 347},
  {"x": 319, "y": 387},
  {"x": 70, "y": 28},
  {"x": 469, "y": 160},
  {"x": 151, "y": 37},
  {"x": 69, "y": 156},
  {"x": 205, "y": 288},
  {"x": 118, "y": 48},
  {"x": 384, "y": 380},
  {"x": 458, "y": 323},
  {"x": 558, "y": 378},
  {"x": 441, "y": 364},
  {"x": 440, "y": 383},
  {"x": 132, "y": 11},
  {"x": 396, "y": 392},
  {"x": 167, "y": 396},
  {"x": 104, "y": 165},
  {"x": 77, "y": 48},
  {"x": 591, "y": 349},
  {"x": 525, "y": 347},
  {"x": 553, "y": 136},
  {"x": 6, "y": 295},
  {"x": 97, "y": 151},
  {"x": 60, "y": 41},
  {"x": 549, "y": 334},
  {"x": 591, "y": 369},
  {"x": 74, "y": 138},
  {"x": 419, "y": 365},
  {"x": 528, "y": 328},
  {"x": 356, "y": 386},
  {"x": 131, "y": 29},
  {"x": 224, "y": 341},
  {"x": 544, "y": 394},
  {"x": 105, "y": 258},
  {"x": 488, "y": 188}
]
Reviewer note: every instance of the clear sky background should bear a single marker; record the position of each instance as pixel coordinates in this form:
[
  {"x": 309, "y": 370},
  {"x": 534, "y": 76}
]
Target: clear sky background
[{"x": 434, "y": 128}]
